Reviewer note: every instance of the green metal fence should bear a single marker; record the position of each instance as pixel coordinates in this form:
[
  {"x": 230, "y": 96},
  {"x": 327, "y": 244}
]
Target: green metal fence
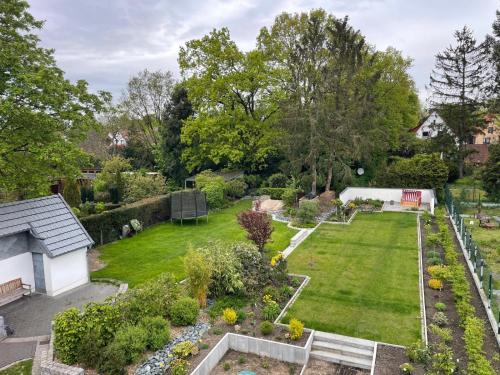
[{"x": 475, "y": 255}]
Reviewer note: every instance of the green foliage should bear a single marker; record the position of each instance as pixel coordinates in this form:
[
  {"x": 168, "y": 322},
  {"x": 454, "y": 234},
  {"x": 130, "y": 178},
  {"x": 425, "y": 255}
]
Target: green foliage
[
  {"x": 213, "y": 186},
  {"x": 441, "y": 361},
  {"x": 421, "y": 171},
  {"x": 179, "y": 366},
  {"x": 236, "y": 188},
  {"x": 474, "y": 341},
  {"x": 226, "y": 366},
  {"x": 199, "y": 275},
  {"x": 71, "y": 193},
  {"x": 277, "y": 180},
  {"x": 111, "y": 176},
  {"x": 274, "y": 193},
  {"x": 158, "y": 332},
  {"x": 69, "y": 329},
  {"x": 271, "y": 311},
  {"x": 491, "y": 171},
  {"x": 107, "y": 226},
  {"x": 254, "y": 269},
  {"x": 289, "y": 197},
  {"x": 184, "y": 311},
  {"x": 440, "y": 306},
  {"x": 138, "y": 187},
  {"x": 178, "y": 109},
  {"x": 185, "y": 349},
  {"x": 100, "y": 207},
  {"x": 113, "y": 360},
  {"x": 153, "y": 298},
  {"x": 307, "y": 212},
  {"x": 43, "y": 115},
  {"x": 266, "y": 327},
  {"x": 131, "y": 341},
  {"x": 444, "y": 333},
  {"x": 232, "y": 301},
  {"x": 226, "y": 275},
  {"x": 407, "y": 368},
  {"x": 418, "y": 352}
]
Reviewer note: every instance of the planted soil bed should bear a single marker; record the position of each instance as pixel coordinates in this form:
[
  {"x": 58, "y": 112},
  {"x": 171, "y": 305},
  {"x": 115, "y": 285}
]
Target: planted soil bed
[
  {"x": 233, "y": 362},
  {"x": 389, "y": 358},
  {"x": 317, "y": 367}
]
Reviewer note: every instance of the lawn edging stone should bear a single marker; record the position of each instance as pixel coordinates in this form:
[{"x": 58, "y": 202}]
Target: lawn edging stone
[{"x": 423, "y": 314}]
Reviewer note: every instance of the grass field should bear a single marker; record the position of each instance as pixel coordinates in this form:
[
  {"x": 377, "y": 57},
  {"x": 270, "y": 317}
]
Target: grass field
[
  {"x": 160, "y": 248},
  {"x": 21, "y": 368},
  {"x": 364, "y": 278}
]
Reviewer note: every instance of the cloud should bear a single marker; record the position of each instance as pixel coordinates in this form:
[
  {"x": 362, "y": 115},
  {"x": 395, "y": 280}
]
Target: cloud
[{"x": 106, "y": 42}]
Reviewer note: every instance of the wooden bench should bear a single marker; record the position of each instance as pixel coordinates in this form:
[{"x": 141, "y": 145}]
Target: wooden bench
[
  {"x": 486, "y": 224},
  {"x": 13, "y": 290}
]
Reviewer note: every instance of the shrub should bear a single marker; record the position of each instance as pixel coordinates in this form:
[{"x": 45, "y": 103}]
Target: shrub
[
  {"x": 235, "y": 302},
  {"x": 295, "y": 282},
  {"x": 435, "y": 284},
  {"x": 253, "y": 267},
  {"x": 199, "y": 275},
  {"x": 69, "y": 329},
  {"x": 296, "y": 328},
  {"x": 179, "y": 366},
  {"x": 272, "y": 292},
  {"x": 407, "y": 368},
  {"x": 113, "y": 360},
  {"x": 107, "y": 226},
  {"x": 440, "y": 306},
  {"x": 444, "y": 333},
  {"x": 184, "y": 311},
  {"x": 71, "y": 192},
  {"x": 307, "y": 212},
  {"x": 289, "y": 197},
  {"x": 138, "y": 186},
  {"x": 274, "y": 193},
  {"x": 433, "y": 254},
  {"x": 271, "y": 311},
  {"x": 226, "y": 366},
  {"x": 236, "y": 188},
  {"x": 229, "y": 316},
  {"x": 158, "y": 332},
  {"x": 440, "y": 319},
  {"x": 252, "y": 180},
  {"x": 439, "y": 271},
  {"x": 418, "y": 352},
  {"x": 241, "y": 316},
  {"x": 213, "y": 186},
  {"x": 257, "y": 225},
  {"x": 286, "y": 292},
  {"x": 131, "y": 341},
  {"x": 185, "y": 349},
  {"x": 266, "y": 328},
  {"x": 277, "y": 180},
  {"x": 100, "y": 207},
  {"x": 153, "y": 298},
  {"x": 90, "y": 349},
  {"x": 434, "y": 261},
  {"x": 226, "y": 274}
]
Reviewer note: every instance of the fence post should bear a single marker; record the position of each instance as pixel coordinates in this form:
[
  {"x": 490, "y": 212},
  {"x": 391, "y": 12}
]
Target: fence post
[
  {"x": 490, "y": 287},
  {"x": 481, "y": 272}
]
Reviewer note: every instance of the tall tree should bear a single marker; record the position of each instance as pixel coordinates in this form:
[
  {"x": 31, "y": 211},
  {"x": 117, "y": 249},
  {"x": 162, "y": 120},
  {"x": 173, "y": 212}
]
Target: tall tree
[
  {"x": 178, "y": 110},
  {"x": 231, "y": 94},
  {"x": 43, "y": 116},
  {"x": 296, "y": 44},
  {"x": 458, "y": 84},
  {"x": 146, "y": 98},
  {"x": 494, "y": 86}
]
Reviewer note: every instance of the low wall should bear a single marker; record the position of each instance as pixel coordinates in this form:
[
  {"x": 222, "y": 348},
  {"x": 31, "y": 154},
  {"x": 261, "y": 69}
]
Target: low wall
[
  {"x": 252, "y": 345},
  {"x": 385, "y": 194}
]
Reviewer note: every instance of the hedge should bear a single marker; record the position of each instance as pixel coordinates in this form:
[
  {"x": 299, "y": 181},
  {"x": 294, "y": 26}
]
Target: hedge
[
  {"x": 274, "y": 193},
  {"x": 107, "y": 226}
]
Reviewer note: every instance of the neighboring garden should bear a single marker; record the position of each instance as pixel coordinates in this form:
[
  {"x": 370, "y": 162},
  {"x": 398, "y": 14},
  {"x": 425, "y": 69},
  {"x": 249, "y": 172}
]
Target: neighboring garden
[
  {"x": 364, "y": 278},
  {"x": 21, "y": 368},
  {"x": 160, "y": 248}
]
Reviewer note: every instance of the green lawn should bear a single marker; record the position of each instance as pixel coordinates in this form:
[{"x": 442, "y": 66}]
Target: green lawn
[
  {"x": 160, "y": 248},
  {"x": 21, "y": 368},
  {"x": 364, "y": 278}
]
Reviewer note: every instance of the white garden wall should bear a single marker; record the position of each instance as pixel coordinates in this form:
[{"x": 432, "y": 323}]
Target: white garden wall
[
  {"x": 66, "y": 271},
  {"x": 18, "y": 266},
  {"x": 385, "y": 194}
]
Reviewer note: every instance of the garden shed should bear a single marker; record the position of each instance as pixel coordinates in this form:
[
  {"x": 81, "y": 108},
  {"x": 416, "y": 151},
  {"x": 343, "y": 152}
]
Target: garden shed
[{"x": 44, "y": 244}]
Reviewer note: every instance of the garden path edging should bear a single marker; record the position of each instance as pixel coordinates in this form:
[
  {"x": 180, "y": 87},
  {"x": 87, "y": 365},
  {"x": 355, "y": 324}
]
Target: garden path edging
[{"x": 423, "y": 314}]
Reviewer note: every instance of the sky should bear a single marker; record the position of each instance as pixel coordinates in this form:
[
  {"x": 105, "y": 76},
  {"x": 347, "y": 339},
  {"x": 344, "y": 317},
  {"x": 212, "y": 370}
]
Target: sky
[{"x": 106, "y": 42}]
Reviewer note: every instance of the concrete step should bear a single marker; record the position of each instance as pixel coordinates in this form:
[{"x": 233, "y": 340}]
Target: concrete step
[
  {"x": 344, "y": 340},
  {"x": 343, "y": 349},
  {"x": 342, "y": 359}
]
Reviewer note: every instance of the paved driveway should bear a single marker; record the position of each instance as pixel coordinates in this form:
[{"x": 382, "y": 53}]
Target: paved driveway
[{"x": 31, "y": 316}]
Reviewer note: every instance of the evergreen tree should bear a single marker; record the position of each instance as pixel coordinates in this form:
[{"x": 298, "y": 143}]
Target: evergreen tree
[
  {"x": 494, "y": 86},
  {"x": 458, "y": 82},
  {"x": 178, "y": 110},
  {"x": 71, "y": 192},
  {"x": 491, "y": 173}
]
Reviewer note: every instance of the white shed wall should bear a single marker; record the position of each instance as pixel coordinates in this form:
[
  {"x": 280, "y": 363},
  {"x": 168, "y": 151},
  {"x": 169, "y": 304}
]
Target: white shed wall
[
  {"x": 66, "y": 271},
  {"x": 18, "y": 266}
]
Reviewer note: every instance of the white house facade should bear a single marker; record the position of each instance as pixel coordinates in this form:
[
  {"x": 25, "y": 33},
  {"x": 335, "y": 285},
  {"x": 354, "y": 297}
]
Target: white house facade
[
  {"x": 431, "y": 127},
  {"x": 44, "y": 244}
]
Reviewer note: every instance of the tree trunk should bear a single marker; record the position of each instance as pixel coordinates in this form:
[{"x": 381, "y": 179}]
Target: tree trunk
[
  {"x": 329, "y": 176},
  {"x": 314, "y": 174}
]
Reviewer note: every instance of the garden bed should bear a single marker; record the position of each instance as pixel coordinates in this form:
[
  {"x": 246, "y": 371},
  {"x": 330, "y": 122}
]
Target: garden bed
[{"x": 234, "y": 361}]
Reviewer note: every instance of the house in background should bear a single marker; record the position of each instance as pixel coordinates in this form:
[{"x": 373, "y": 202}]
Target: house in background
[
  {"x": 489, "y": 134},
  {"x": 430, "y": 127},
  {"x": 44, "y": 244}
]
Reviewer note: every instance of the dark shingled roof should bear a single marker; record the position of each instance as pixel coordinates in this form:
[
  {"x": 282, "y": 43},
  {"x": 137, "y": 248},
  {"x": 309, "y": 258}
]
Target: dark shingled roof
[{"x": 49, "y": 219}]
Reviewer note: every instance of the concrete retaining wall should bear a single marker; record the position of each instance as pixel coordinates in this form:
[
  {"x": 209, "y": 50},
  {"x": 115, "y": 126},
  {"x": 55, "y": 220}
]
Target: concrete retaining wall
[{"x": 252, "y": 345}]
